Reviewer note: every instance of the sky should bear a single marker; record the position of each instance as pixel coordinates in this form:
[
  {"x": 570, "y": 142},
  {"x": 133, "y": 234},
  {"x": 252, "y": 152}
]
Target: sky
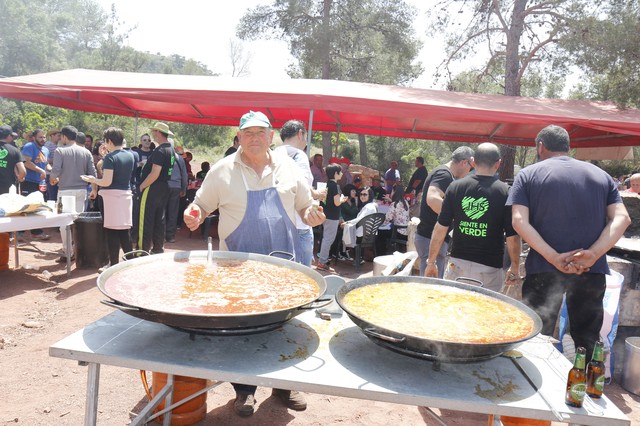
[{"x": 202, "y": 30}]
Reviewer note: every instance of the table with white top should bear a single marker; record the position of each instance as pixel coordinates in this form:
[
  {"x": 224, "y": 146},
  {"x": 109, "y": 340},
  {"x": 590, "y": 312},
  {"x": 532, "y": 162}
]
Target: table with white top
[
  {"x": 38, "y": 220},
  {"x": 334, "y": 357}
]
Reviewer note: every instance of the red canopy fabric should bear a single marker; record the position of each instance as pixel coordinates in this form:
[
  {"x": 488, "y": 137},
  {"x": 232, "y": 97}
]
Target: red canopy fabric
[{"x": 347, "y": 107}]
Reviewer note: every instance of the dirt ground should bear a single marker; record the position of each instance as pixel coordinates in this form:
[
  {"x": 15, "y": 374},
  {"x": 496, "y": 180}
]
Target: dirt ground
[{"x": 39, "y": 306}]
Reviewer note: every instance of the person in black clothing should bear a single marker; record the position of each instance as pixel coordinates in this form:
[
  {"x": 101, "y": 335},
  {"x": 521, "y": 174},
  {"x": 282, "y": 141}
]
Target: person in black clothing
[
  {"x": 332, "y": 211},
  {"x": 234, "y": 148},
  {"x": 204, "y": 169},
  {"x": 154, "y": 191},
  {"x": 417, "y": 178},
  {"x": 11, "y": 161},
  {"x": 431, "y": 203},
  {"x": 474, "y": 207},
  {"x": 378, "y": 191}
]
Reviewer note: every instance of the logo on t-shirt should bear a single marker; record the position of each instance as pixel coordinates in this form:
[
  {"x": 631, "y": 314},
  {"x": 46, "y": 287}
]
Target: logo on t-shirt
[
  {"x": 475, "y": 208},
  {"x": 3, "y": 153}
]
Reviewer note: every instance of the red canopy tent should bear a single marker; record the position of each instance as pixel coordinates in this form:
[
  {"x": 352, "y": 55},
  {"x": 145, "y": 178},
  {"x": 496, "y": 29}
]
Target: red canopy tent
[{"x": 347, "y": 107}]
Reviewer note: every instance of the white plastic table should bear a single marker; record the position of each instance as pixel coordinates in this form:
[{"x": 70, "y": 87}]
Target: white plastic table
[
  {"x": 38, "y": 220},
  {"x": 334, "y": 358}
]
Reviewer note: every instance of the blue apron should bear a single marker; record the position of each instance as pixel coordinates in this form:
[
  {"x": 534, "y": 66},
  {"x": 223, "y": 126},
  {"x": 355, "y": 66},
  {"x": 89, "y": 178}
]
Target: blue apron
[{"x": 266, "y": 226}]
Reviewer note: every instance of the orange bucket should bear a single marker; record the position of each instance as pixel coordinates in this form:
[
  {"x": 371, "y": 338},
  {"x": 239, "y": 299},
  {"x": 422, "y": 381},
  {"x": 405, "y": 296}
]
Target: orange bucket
[
  {"x": 4, "y": 251},
  {"x": 520, "y": 421},
  {"x": 185, "y": 414}
]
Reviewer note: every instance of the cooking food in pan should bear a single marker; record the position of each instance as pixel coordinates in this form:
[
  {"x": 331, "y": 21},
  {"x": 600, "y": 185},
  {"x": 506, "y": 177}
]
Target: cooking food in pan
[
  {"x": 438, "y": 312},
  {"x": 224, "y": 286}
]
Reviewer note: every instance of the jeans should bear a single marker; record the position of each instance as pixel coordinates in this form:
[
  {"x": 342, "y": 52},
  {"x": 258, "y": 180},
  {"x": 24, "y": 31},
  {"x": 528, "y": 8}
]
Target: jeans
[
  {"x": 305, "y": 236},
  {"x": 422, "y": 247}
]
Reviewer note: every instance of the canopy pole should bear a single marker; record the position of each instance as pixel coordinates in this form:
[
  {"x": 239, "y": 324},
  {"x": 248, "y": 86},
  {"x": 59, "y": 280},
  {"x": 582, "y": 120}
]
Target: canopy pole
[
  {"x": 310, "y": 130},
  {"x": 135, "y": 132}
]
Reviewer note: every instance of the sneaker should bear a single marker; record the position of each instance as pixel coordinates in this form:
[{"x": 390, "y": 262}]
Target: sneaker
[
  {"x": 104, "y": 268},
  {"x": 40, "y": 237},
  {"x": 170, "y": 240},
  {"x": 291, "y": 399},
  {"x": 322, "y": 266},
  {"x": 244, "y": 405},
  {"x": 345, "y": 256}
]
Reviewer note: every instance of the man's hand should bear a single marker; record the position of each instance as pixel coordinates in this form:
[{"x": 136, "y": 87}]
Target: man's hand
[
  {"x": 431, "y": 271},
  {"x": 193, "y": 216},
  {"x": 563, "y": 262},
  {"x": 512, "y": 276},
  {"x": 583, "y": 260},
  {"x": 313, "y": 216}
]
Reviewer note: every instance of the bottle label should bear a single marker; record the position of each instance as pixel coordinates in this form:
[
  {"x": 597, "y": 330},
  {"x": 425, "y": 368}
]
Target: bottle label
[
  {"x": 599, "y": 383},
  {"x": 598, "y": 353},
  {"x": 579, "y": 361},
  {"x": 578, "y": 391}
]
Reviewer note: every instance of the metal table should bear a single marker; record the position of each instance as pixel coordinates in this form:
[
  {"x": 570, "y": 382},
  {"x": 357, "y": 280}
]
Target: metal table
[
  {"x": 38, "y": 220},
  {"x": 334, "y": 358}
]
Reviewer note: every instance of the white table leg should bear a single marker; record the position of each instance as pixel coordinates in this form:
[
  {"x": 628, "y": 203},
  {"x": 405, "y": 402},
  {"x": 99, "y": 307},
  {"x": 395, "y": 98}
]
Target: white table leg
[
  {"x": 93, "y": 386},
  {"x": 16, "y": 260},
  {"x": 68, "y": 249}
]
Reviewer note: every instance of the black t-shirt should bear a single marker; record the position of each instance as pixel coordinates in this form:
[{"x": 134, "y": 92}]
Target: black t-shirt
[
  {"x": 331, "y": 211},
  {"x": 164, "y": 156},
  {"x": 9, "y": 157},
  {"x": 122, "y": 163},
  {"x": 142, "y": 156},
  {"x": 378, "y": 192},
  {"x": 475, "y": 207},
  {"x": 440, "y": 177},
  {"x": 417, "y": 179}
]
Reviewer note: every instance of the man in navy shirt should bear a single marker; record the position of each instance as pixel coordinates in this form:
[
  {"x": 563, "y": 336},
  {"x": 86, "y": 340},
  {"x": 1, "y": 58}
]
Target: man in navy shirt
[{"x": 570, "y": 213}]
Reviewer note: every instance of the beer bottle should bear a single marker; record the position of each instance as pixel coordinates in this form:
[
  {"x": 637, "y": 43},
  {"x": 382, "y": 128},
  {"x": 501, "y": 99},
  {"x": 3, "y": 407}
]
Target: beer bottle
[
  {"x": 577, "y": 380},
  {"x": 595, "y": 372}
]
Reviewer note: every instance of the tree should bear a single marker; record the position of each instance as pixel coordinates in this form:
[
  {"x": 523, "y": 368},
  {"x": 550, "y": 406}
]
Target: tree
[
  {"x": 519, "y": 36},
  {"x": 240, "y": 60},
  {"x": 354, "y": 40},
  {"x": 606, "y": 45}
]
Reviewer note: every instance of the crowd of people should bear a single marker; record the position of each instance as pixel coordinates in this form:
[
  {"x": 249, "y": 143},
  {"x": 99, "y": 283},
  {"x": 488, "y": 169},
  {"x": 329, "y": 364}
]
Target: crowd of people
[
  {"x": 471, "y": 224},
  {"x": 140, "y": 196}
]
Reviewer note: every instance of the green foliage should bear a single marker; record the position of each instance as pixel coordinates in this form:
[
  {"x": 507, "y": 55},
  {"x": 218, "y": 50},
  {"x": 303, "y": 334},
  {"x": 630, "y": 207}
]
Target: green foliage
[
  {"x": 606, "y": 46},
  {"x": 355, "y": 40}
]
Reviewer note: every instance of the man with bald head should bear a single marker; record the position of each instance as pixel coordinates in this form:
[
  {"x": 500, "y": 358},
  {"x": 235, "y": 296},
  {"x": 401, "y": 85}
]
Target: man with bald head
[
  {"x": 475, "y": 208},
  {"x": 634, "y": 181}
]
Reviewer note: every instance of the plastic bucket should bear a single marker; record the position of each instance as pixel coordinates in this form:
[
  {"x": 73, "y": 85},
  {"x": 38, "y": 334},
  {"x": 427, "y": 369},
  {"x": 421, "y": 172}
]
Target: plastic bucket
[
  {"x": 631, "y": 368},
  {"x": 191, "y": 411},
  {"x": 520, "y": 421},
  {"x": 4, "y": 251}
]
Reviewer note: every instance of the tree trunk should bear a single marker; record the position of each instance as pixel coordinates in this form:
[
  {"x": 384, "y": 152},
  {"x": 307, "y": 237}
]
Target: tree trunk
[
  {"x": 511, "y": 79},
  {"x": 326, "y": 147},
  {"x": 326, "y": 72},
  {"x": 362, "y": 144}
]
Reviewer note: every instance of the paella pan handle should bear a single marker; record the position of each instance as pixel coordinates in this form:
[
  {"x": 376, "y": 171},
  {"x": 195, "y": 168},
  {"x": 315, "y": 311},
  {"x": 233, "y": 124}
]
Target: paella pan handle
[
  {"x": 282, "y": 255},
  {"x": 371, "y": 332},
  {"x": 472, "y": 280},
  {"x": 120, "y": 306},
  {"x": 134, "y": 254},
  {"x": 318, "y": 303}
]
